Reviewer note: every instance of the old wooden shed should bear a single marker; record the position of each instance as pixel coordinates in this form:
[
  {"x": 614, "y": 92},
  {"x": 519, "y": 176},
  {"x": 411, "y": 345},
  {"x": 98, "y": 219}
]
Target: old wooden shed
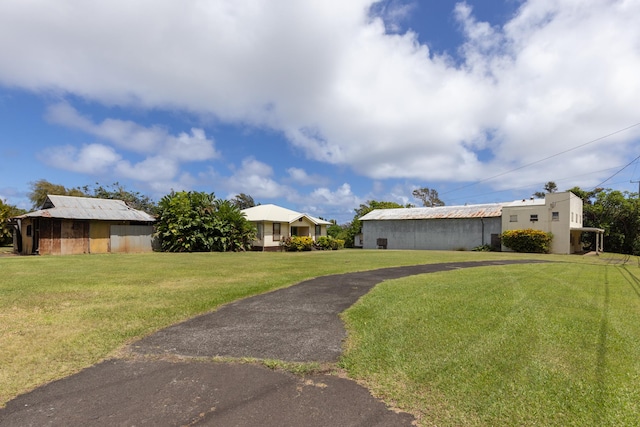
[{"x": 75, "y": 225}]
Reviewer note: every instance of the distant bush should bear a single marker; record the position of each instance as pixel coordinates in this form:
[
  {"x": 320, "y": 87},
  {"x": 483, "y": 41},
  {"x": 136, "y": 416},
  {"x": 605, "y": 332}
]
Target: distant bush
[
  {"x": 297, "y": 243},
  {"x": 483, "y": 248},
  {"x": 328, "y": 243},
  {"x": 528, "y": 240}
]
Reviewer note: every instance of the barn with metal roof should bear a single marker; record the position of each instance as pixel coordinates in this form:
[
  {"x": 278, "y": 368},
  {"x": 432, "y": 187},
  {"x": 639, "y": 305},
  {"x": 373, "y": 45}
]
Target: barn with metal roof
[
  {"x": 75, "y": 225},
  {"x": 436, "y": 228},
  {"x": 470, "y": 226}
]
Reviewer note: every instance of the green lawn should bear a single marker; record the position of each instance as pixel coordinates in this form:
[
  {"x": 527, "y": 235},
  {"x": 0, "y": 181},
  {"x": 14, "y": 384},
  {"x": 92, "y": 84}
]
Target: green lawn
[
  {"x": 59, "y": 314},
  {"x": 545, "y": 344},
  {"x": 523, "y": 345}
]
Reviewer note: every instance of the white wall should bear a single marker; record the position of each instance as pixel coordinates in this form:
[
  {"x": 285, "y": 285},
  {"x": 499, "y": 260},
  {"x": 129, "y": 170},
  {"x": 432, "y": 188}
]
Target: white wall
[{"x": 568, "y": 207}]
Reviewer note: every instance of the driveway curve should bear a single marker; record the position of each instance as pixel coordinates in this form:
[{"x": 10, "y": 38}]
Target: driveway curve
[{"x": 162, "y": 384}]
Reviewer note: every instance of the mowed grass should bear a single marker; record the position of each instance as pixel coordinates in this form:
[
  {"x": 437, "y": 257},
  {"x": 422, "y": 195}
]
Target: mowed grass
[
  {"x": 540, "y": 344},
  {"x": 59, "y": 314},
  {"x": 523, "y": 345}
]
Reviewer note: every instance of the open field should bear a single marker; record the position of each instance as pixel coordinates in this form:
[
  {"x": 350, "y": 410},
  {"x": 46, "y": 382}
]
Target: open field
[{"x": 579, "y": 319}]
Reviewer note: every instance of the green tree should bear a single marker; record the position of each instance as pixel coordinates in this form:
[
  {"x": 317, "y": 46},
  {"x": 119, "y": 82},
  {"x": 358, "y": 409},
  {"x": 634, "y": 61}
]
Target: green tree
[
  {"x": 197, "y": 222},
  {"x": 243, "y": 201},
  {"x": 236, "y": 232},
  {"x": 6, "y": 230},
  {"x": 618, "y": 213},
  {"x": 116, "y": 191},
  {"x": 41, "y": 188},
  {"x": 335, "y": 230},
  {"x": 549, "y": 187},
  {"x": 429, "y": 197},
  {"x": 355, "y": 227}
]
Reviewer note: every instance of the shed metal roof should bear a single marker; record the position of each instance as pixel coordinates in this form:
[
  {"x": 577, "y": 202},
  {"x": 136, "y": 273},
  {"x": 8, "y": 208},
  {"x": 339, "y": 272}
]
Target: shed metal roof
[
  {"x": 489, "y": 210},
  {"x": 274, "y": 213},
  {"x": 69, "y": 207}
]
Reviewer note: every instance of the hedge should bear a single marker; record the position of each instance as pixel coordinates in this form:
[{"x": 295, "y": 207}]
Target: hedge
[{"x": 528, "y": 240}]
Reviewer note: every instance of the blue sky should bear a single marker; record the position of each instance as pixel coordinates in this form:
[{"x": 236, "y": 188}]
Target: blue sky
[{"x": 320, "y": 105}]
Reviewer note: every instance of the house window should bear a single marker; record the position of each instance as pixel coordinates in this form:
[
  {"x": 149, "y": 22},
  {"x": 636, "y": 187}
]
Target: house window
[
  {"x": 555, "y": 216},
  {"x": 318, "y": 230},
  {"x": 533, "y": 217},
  {"x": 513, "y": 218},
  {"x": 260, "y": 233},
  {"x": 276, "y": 231}
]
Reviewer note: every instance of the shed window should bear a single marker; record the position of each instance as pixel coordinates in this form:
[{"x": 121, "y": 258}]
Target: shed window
[
  {"x": 513, "y": 218},
  {"x": 276, "y": 231},
  {"x": 29, "y": 230},
  {"x": 555, "y": 216},
  {"x": 533, "y": 217}
]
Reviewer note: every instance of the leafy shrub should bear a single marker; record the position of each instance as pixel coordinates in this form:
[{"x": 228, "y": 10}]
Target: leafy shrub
[
  {"x": 483, "y": 248},
  {"x": 528, "y": 240},
  {"x": 329, "y": 243},
  {"x": 297, "y": 243},
  {"x": 197, "y": 222}
]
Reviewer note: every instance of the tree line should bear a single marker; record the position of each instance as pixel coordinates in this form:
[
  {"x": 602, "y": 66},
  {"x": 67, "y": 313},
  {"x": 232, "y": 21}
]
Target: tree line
[
  {"x": 617, "y": 212},
  {"x": 187, "y": 221},
  {"x": 196, "y": 221}
]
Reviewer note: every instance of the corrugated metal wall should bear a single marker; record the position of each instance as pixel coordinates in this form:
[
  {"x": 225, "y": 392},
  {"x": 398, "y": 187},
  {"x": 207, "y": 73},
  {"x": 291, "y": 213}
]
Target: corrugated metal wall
[{"x": 131, "y": 238}]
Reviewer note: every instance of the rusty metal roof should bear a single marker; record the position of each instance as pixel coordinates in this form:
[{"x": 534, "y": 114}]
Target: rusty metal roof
[
  {"x": 489, "y": 210},
  {"x": 68, "y": 207}
]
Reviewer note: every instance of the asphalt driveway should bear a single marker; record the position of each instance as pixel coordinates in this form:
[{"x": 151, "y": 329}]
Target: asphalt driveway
[{"x": 169, "y": 378}]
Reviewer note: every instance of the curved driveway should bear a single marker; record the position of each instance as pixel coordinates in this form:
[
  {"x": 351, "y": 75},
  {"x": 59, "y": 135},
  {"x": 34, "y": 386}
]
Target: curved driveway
[{"x": 161, "y": 384}]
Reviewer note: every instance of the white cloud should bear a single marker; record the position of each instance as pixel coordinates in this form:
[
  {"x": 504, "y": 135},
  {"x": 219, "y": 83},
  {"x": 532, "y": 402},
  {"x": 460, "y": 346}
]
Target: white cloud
[
  {"x": 340, "y": 86},
  {"x": 151, "y": 169},
  {"x": 393, "y": 13},
  {"x": 341, "y": 196},
  {"x": 330, "y": 204},
  {"x": 93, "y": 159},
  {"x": 134, "y": 137},
  {"x": 256, "y": 179},
  {"x": 165, "y": 153},
  {"x": 298, "y": 176}
]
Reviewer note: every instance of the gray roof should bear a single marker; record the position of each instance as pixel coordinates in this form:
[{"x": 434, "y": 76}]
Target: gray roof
[
  {"x": 68, "y": 207},
  {"x": 489, "y": 210}
]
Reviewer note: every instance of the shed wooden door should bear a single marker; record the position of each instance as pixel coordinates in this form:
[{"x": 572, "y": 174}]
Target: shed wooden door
[{"x": 74, "y": 237}]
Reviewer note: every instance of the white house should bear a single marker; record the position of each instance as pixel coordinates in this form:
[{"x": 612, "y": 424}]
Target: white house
[
  {"x": 558, "y": 213},
  {"x": 275, "y": 223},
  {"x": 470, "y": 226}
]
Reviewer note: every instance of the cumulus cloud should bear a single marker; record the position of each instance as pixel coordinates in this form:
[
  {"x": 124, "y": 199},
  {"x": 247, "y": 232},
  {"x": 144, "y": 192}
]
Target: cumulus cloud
[
  {"x": 256, "y": 178},
  {"x": 93, "y": 159},
  {"x": 163, "y": 152},
  {"x": 134, "y": 137},
  {"x": 298, "y": 176},
  {"x": 343, "y": 86},
  {"x": 323, "y": 201}
]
